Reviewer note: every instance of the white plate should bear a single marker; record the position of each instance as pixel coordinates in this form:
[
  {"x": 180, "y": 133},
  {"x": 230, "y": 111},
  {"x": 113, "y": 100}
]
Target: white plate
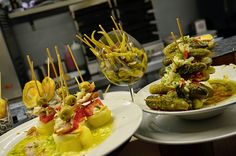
[
  {"x": 167, "y": 129},
  {"x": 221, "y": 71},
  {"x": 127, "y": 117}
]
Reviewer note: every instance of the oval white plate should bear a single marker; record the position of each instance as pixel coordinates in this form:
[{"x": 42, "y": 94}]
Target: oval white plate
[
  {"x": 127, "y": 118},
  {"x": 168, "y": 129},
  {"x": 221, "y": 71}
]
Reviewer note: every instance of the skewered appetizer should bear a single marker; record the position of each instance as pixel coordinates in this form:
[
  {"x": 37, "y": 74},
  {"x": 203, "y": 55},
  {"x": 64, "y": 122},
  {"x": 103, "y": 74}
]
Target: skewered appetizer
[
  {"x": 74, "y": 124},
  {"x": 77, "y": 116},
  {"x": 187, "y": 64},
  {"x": 70, "y": 131},
  {"x": 38, "y": 98},
  {"x": 97, "y": 113}
]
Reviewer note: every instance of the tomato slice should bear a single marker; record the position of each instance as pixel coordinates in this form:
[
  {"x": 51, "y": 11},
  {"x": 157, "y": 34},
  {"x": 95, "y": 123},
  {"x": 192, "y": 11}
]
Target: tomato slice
[
  {"x": 88, "y": 110},
  {"x": 79, "y": 117},
  {"x": 185, "y": 54},
  {"x": 46, "y": 117}
]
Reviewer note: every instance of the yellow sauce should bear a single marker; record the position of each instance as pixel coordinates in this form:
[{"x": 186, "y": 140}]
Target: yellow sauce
[
  {"x": 222, "y": 89},
  {"x": 45, "y": 144}
]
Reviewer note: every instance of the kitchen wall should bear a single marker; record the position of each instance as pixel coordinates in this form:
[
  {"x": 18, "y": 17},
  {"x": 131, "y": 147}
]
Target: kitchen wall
[
  {"x": 49, "y": 31},
  {"x": 167, "y": 11}
]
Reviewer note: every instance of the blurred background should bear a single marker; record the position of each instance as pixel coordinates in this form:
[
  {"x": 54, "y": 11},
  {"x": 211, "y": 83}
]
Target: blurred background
[{"x": 28, "y": 27}]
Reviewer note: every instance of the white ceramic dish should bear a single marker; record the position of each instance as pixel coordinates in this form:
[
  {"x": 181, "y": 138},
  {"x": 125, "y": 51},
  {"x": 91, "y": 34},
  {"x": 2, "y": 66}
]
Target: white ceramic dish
[
  {"x": 127, "y": 118},
  {"x": 167, "y": 129},
  {"x": 221, "y": 71}
]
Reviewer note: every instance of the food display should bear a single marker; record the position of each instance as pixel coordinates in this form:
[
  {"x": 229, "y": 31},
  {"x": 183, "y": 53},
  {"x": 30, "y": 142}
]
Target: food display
[
  {"x": 185, "y": 83},
  {"x": 122, "y": 59},
  {"x": 187, "y": 64},
  {"x": 67, "y": 124}
]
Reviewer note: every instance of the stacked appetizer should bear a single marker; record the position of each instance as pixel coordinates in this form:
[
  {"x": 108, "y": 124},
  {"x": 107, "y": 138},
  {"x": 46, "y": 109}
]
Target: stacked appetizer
[
  {"x": 187, "y": 64},
  {"x": 77, "y": 114}
]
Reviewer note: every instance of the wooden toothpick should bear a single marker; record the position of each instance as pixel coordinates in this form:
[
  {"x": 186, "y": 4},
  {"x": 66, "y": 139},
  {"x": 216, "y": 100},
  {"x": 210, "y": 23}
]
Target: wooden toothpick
[
  {"x": 48, "y": 63},
  {"x": 73, "y": 58},
  {"x": 108, "y": 87},
  {"x": 31, "y": 65},
  {"x": 180, "y": 29},
  {"x": 52, "y": 63},
  {"x": 174, "y": 38}
]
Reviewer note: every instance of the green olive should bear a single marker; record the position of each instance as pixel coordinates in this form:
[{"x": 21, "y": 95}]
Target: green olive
[
  {"x": 66, "y": 113},
  {"x": 42, "y": 101},
  {"x": 62, "y": 91},
  {"x": 70, "y": 100}
]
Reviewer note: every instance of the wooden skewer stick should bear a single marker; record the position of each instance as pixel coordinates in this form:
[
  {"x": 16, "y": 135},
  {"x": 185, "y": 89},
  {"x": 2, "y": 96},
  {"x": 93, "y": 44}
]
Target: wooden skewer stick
[
  {"x": 31, "y": 69},
  {"x": 35, "y": 81},
  {"x": 51, "y": 61},
  {"x": 118, "y": 39},
  {"x": 56, "y": 50},
  {"x": 173, "y": 36},
  {"x": 48, "y": 67},
  {"x": 121, "y": 28},
  {"x": 60, "y": 73},
  {"x": 33, "y": 74},
  {"x": 108, "y": 87},
  {"x": 117, "y": 27},
  {"x": 73, "y": 58},
  {"x": 0, "y": 85},
  {"x": 77, "y": 81},
  {"x": 180, "y": 28}
]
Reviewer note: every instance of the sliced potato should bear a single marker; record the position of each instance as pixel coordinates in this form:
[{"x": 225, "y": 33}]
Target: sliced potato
[
  {"x": 86, "y": 138},
  {"x": 67, "y": 142},
  {"x": 48, "y": 85},
  {"x": 30, "y": 93},
  {"x": 3, "y": 108},
  {"x": 100, "y": 118},
  {"x": 46, "y": 128}
]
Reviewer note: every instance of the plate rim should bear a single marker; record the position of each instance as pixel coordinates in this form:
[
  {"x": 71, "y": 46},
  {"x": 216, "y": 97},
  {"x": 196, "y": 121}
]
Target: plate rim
[{"x": 182, "y": 142}]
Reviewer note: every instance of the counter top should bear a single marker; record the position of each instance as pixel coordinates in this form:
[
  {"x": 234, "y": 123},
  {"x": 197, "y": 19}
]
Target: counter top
[{"x": 225, "y": 46}]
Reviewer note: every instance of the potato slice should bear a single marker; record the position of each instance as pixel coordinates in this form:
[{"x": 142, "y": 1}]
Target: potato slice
[
  {"x": 3, "y": 108},
  {"x": 67, "y": 142},
  {"x": 100, "y": 118},
  {"x": 86, "y": 138},
  {"x": 48, "y": 85},
  {"x": 30, "y": 93}
]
